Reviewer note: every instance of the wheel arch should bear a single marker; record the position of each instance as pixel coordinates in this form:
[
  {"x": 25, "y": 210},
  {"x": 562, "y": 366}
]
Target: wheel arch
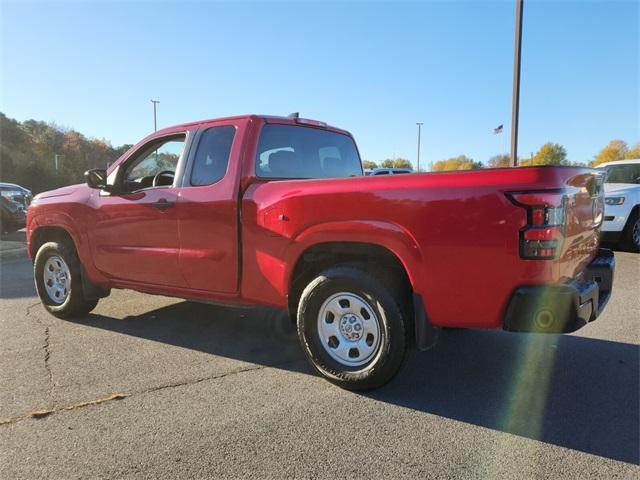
[
  {"x": 48, "y": 233},
  {"x": 320, "y": 256},
  {"x": 634, "y": 211},
  {"x": 56, "y": 233},
  {"x": 319, "y": 246}
]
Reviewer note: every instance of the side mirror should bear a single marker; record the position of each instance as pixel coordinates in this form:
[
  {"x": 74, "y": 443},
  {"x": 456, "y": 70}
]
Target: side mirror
[{"x": 97, "y": 178}]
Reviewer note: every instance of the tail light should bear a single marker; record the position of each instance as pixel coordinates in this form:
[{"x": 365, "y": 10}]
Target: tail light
[{"x": 541, "y": 238}]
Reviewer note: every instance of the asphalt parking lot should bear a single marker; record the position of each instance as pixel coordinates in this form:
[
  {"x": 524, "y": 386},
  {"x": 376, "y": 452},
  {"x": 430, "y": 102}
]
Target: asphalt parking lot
[{"x": 153, "y": 387}]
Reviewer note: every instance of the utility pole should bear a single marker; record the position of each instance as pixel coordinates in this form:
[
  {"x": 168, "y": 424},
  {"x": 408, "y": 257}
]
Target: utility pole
[
  {"x": 155, "y": 124},
  {"x": 55, "y": 160},
  {"x": 419, "y": 124},
  {"x": 516, "y": 84}
]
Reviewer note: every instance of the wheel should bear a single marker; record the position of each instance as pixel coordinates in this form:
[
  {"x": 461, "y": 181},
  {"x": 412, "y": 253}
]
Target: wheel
[
  {"x": 58, "y": 281},
  {"x": 353, "y": 327},
  {"x": 631, "y": 235}
]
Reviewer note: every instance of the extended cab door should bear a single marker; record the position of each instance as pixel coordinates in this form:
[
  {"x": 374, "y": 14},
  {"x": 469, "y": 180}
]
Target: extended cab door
[
  {"x": 208, "y": 209},
  {"x": 135, "y": 232}
]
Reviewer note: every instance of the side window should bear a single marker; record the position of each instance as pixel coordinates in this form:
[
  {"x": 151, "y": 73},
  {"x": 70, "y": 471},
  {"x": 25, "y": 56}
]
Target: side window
[
  {"x": 154, "y": 166},
  {"x": 212, "y": 156}
]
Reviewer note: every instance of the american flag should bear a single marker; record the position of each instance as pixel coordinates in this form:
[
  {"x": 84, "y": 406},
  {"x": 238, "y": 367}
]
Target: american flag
[{"x": 498, "y": 129}]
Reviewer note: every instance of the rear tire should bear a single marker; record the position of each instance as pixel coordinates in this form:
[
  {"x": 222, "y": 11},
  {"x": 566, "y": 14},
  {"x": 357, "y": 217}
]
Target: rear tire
[
  {"x": 58, "y": 281},
  {"x": 353, "y": 326},
  {"x": 631, "y": 235}
]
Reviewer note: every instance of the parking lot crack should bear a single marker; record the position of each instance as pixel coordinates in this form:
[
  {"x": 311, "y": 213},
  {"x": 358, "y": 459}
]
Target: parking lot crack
[
  {"x": 203, "y": 379},
  {"x": 46, "y": 347},
  {"x": 43, "y": 413}
]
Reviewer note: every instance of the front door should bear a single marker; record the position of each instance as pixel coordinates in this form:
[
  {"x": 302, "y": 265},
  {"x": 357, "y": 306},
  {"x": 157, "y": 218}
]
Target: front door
[{"x": 135, "y": 235}]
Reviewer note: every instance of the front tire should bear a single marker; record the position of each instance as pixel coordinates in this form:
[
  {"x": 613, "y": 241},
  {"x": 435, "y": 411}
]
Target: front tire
[
  {"x": 631, "y": 235},
  {"x": 353, "y": 327},
  {"x": 58, "y": 281}
]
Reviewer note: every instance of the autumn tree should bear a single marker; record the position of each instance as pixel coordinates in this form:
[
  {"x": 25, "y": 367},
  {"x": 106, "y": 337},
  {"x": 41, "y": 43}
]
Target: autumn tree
[
  {"x": 500, "y": 161},
  {"x": 549, "y": 154},
  {"x": 396, "y": 163},
  {"x": 402, "y": 163},
  {"x": 368, "y": 164},
  {"x": 633, "y": 153},
  {"x": 461, "y": 162},
  {"x": 614, "y": 150},
  {"x": 28, "y": 151}
]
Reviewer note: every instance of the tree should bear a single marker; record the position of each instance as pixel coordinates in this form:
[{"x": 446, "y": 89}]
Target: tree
[
  {"x": 122, "y": 149},
  {"x": 549, "y": 154},
  {"x": 402, "y": 163},
  {"x": 633, "y": 152},
  {"x": 461, "y": 162},
  {"x": 500, "y": 161},
  {"x": 28, "y": 150},
  {"x": 387, "y": 163},
  {"x": 614, "y": 150},
  {"x": 368, "y": 164},
  {"x": 396, "y": 163}
]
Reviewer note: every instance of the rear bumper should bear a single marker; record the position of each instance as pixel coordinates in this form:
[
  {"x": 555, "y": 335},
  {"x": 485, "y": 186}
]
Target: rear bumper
[{"x": 563, "y": 308}]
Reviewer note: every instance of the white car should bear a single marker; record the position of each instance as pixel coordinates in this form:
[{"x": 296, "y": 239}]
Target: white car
[{"x": 622, "y": 203}]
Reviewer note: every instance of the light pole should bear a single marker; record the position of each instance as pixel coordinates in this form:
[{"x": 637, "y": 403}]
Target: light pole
[
  {"x": 155, "y": 125},
  {"x": 419, "y": 124},
  {"x": 55, "y": 159},
  {"x": 516, "y": 84}
]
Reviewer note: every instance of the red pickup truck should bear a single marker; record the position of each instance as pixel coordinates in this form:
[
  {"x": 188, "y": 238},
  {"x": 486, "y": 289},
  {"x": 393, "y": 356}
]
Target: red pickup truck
[{"x": 276, "y": 211}]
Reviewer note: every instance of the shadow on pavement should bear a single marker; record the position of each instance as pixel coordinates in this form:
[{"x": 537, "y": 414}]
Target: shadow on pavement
[
  {"x": 570, "y": 391},
  {"x": 19, "y": 236},
  {"x": 616, "y": 247},
  {"x": 16, "y": 278},
  {"x": 261, "y": 335}
]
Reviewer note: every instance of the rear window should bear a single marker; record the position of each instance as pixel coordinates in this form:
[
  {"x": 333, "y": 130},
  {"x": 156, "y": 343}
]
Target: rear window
[{"x": 290, "y": 151}]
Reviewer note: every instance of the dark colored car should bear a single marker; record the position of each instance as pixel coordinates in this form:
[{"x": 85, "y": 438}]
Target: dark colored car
[
  {"x": 14, "y": 192},
  {"x": 390, "y": 171},
  {"x": 12, "y": 215}
]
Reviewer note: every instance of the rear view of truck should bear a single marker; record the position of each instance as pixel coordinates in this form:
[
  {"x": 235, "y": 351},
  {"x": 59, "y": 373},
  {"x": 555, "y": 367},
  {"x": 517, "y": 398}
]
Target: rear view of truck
[{"x": 562, "y": 227}]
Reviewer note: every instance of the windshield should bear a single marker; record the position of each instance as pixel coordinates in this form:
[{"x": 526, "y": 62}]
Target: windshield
[{"x": 629, "y": 173}]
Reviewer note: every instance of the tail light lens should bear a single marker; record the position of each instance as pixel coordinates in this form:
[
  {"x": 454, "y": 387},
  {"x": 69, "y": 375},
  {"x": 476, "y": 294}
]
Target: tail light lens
[{"x": 541, "y": 238}]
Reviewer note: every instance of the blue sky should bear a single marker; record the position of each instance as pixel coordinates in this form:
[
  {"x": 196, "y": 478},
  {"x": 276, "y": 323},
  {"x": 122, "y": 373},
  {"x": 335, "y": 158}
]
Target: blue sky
[{"x": 374, "y": 68}]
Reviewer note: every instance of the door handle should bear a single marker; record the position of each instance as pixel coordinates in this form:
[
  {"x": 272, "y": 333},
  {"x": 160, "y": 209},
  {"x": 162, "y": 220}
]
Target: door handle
[{"x": 162, "y": 204}]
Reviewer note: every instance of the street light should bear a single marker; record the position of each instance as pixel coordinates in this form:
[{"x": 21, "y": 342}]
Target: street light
[
  {"x": 419, "y": 124},
  {"x": 516, "y": 84},
  {"x": 155, "y": 125}
]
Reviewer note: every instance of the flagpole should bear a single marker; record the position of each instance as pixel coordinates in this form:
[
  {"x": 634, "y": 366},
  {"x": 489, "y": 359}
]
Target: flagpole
[{"x": 516, "y": 84}]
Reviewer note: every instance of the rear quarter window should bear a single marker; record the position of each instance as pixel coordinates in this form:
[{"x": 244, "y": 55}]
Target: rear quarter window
[
  {"x": 212, "y": 155},
  {"x": 291, "y": 151}
]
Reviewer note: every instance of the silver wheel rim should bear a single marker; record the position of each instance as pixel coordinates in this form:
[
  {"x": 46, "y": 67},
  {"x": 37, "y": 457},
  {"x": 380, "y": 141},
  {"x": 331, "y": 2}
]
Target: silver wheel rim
[
  {"x": 57, "y": 279},
  {"x": 349, "y": 329},
  {"x": 635, "y": 234}
]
